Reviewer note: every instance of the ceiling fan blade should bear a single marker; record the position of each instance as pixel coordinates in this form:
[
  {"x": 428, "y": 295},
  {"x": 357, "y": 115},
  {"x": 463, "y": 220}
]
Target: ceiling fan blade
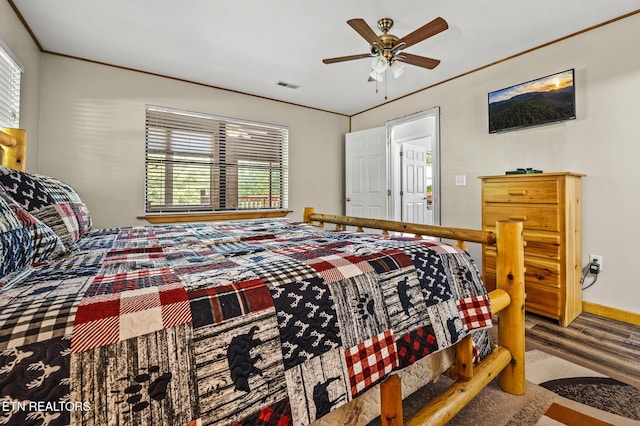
[
  {"x": 420, "y": 61},
  {"x": 346, "y": 58},
  {"x": 363, "y": 29},
  {"x": 424, "y": 32}
]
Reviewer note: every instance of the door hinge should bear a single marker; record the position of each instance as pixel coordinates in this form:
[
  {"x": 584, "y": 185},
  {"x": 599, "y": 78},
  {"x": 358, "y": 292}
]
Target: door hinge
[{"x": 388, "y": 193}]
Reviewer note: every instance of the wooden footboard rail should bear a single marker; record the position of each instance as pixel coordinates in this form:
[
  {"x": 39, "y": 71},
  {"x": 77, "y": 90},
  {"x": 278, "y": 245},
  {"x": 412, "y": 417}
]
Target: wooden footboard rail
[{"x": 507, "y": 358}]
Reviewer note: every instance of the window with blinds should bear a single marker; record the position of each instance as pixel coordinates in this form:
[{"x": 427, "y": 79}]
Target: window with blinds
[
  {"x": 202, "y": 163},
  {"x": 10, "y": 73}
]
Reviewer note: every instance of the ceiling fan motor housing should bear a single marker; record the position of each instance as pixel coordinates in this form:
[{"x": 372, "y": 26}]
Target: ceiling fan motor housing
[{"x": 386, "y": 42}]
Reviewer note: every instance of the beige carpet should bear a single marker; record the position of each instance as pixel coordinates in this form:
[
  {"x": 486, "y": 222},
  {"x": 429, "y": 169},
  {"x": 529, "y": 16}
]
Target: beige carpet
[{"x": 539, "y": 406}]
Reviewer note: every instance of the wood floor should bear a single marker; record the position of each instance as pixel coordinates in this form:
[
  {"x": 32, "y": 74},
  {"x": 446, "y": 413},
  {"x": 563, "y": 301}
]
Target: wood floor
[{"x": 607, "y": 346}]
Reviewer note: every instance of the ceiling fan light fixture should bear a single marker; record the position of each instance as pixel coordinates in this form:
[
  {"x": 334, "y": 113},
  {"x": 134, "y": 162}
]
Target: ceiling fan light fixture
[
  {"x": 397, "y": 68},
  {"x": 376, "y": 76},
  {"x": 379, "y": 64}
]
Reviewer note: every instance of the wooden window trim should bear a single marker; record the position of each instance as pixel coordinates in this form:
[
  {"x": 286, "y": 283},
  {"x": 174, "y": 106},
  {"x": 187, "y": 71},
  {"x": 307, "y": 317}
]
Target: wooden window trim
[{"x": 209, "y": 217}]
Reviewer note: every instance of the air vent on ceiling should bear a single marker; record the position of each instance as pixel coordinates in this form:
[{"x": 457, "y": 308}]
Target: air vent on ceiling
[{"x": 289, "y": 85}]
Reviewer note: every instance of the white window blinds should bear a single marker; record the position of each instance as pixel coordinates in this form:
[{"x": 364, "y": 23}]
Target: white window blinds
[
  {"x": 201, "y": 163},
  {"x": 10, "y": 72}
]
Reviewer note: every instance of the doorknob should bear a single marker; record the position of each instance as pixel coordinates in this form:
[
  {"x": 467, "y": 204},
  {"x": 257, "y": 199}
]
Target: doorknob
[{"x": 347, "y": 199}]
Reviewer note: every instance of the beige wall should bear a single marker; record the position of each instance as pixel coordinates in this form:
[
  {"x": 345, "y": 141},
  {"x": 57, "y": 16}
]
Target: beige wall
[
  {"x": 603, "y": 143},
  {"x": 92, "y": 135},
  {"x": 17, "y": 39}
]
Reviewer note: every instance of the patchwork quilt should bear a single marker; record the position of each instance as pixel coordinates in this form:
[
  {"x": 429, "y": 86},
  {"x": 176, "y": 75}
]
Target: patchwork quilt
[{"x": 262, "y": 322}]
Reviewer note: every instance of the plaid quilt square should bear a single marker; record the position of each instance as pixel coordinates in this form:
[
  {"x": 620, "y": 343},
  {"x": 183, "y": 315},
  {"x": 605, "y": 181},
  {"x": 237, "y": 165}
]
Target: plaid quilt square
[
  {"x": 204, "y": 267},
  {"x": 217, "y": 304},
  {"x": 110, "y": 318},
  {"x": 127, "y": 235},
  {"x": 278, "y": 270},
  {"x": 336, "y": 267},
  {"x": 62, "y": 193},
  {"x": 68, "y": 217},
  {"x": 131, "y": 280},
  {"x": 475, "y": 312},
  {"x": 36, "y": 319},
  {"x": 80, "y": 265},
  {"x": 416, "y": 345},
  {"x": 388, "y": 260},
  {"x": 135, "y": 254},
  {"x": 370, "y": 361}
]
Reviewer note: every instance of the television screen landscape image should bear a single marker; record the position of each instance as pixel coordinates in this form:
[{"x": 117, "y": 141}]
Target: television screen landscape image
[{"x": 545, "y": 100}]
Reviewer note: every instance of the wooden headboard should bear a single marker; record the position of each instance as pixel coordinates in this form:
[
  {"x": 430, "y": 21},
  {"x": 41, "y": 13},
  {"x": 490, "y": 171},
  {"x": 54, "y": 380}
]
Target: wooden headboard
[{"x": 13, "y": 148}]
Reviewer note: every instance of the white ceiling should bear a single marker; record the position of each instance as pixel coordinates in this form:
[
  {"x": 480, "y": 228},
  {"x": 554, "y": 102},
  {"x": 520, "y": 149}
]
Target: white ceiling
[{"x": 251, "y": 45}]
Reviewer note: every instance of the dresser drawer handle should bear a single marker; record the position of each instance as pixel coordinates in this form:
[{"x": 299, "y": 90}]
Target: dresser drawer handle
[
  {"x": 522, "y": 218},
  {"x": 518, "y": 192},
  {"x": 540, "y": 277}
]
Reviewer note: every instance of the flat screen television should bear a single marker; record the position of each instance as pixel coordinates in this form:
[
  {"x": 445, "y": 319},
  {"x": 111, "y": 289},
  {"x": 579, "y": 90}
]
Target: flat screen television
[{"x": 545, "y": 100}]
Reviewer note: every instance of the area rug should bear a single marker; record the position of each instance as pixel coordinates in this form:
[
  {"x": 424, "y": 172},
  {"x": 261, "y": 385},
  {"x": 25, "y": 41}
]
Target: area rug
[{"x": 558, "y": 392}]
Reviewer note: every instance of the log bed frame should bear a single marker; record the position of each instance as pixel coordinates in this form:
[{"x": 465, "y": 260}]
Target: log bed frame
[{"x": 507, "y": 358}]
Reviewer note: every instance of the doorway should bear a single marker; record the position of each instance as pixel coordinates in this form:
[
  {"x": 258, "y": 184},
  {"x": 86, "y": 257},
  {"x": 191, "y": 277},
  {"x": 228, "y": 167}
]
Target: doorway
[
  {"x": 415, "y": 167},
  {"x": 393, "y": 171}
]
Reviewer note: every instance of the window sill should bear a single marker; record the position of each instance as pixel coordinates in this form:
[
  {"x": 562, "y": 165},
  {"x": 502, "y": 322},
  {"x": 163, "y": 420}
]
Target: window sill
[{"x": 208, "y": 217}]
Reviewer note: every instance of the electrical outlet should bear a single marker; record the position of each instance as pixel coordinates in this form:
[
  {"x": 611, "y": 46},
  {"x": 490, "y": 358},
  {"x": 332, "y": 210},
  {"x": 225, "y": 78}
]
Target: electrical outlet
[
  {"x": 597, "y": 258},
  {"x": 461, "y": 180}
]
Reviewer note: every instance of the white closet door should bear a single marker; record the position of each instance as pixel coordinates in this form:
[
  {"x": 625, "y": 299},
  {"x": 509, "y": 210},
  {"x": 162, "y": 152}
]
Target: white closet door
[{"x": 366, "y": 174}]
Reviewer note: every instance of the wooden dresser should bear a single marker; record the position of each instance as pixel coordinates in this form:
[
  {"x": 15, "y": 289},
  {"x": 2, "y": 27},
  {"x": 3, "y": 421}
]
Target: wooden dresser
[{"x": 550, "y": 206}]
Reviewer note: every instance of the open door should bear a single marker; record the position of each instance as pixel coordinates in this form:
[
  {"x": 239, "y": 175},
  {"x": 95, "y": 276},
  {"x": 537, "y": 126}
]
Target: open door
[{"x": 366, "y": 174}]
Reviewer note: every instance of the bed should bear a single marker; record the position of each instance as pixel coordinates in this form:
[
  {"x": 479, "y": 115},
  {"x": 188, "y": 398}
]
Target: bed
[{"x": 265, "y": 322}]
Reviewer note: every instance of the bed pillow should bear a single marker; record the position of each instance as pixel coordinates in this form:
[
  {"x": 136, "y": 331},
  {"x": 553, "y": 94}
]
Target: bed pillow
[
  {"x": 23, "y": 238},
  {"x": 55, "y": 203}
]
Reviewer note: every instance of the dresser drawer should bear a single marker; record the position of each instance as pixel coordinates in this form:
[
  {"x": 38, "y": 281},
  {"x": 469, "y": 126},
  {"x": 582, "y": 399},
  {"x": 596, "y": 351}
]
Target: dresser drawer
[
  {"x": 544, "y": 191},
  {"x": 538, "y": 217},
  {"x": 547, "y": 245},
  {"x": 543, "y": 300},
  {"x": 538, "y": 271},
  {"x": 541, "y": 272},
  {"x": 543, "y": 244}
]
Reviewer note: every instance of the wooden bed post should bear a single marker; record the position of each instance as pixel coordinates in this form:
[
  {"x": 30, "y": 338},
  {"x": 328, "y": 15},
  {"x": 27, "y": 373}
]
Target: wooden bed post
[
  {"x": 308, "y": 211},
  {"x": 510, "y": 278},
  {"x": 15, "y": 155},
  {"x": 391, "y": 401}
]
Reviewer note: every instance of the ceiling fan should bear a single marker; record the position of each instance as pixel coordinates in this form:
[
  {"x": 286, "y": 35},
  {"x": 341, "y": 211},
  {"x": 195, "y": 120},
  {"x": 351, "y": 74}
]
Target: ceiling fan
[{"x": 386, "y": 49}]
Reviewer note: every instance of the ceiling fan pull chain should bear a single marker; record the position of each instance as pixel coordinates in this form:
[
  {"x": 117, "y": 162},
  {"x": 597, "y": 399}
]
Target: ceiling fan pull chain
[{"x": 385, "y": 84}]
